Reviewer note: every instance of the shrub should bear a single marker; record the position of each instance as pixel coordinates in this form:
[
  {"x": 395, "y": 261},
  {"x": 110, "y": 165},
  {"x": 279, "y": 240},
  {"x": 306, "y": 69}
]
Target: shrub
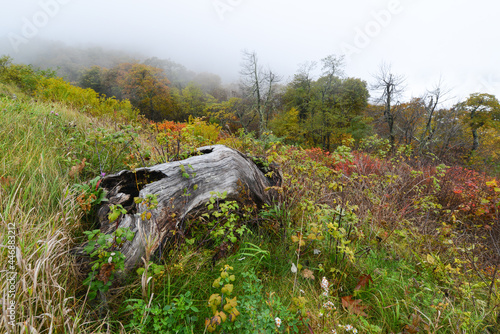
[
  {"x": 176, "y": 317},
  {"x": 25, "y": 77},
  {"x": 199, "y": 133},
  {"x": 86, "y": 100}
]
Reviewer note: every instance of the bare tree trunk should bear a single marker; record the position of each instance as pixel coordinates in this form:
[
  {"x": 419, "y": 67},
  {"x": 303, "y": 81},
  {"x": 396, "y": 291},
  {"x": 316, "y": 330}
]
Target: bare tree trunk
[
  {"x": 390, "y": 87},
  {"x": 475, "y": 141},
  {"x": 181, "y": 192},
  {"x": 389, "y": 117},
  {"x": 260, "y": 86}
]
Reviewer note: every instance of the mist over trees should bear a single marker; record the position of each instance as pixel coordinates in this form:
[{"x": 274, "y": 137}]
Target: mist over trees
[
  {"x": 70, "y": 61},
  {"x": 322, "y": 110}
]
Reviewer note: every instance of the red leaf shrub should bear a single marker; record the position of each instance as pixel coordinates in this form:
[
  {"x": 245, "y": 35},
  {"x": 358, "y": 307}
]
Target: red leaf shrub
[{"x": 465, "y": 192}]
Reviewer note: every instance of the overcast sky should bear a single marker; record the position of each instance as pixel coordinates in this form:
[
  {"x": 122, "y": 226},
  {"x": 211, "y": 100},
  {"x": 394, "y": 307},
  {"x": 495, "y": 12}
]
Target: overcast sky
[{"x": 424, "y": 40}]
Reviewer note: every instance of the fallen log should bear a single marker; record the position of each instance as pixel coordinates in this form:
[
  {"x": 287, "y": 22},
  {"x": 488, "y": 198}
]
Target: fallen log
[{"x": 182, "y": 189}]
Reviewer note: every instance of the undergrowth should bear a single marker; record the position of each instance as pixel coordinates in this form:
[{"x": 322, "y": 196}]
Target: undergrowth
[{"x": 354, "y": 242}]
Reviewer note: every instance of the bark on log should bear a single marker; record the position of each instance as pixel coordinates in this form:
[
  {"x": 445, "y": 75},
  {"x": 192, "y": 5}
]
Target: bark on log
[{"x": 217, "y": 169}]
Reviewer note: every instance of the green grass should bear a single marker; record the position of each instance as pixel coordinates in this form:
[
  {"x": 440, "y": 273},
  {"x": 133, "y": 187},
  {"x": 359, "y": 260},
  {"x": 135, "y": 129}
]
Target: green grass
[{"x": 34, "y": 197}]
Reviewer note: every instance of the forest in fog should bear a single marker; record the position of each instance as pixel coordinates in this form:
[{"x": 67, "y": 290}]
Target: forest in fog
[{"x": 319, "y": 106}]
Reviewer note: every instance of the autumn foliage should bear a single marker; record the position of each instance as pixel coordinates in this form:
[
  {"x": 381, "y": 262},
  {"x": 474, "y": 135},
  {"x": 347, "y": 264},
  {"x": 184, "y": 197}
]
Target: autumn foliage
[
  {"x": 169, "y": 127},
  {"x": 470, "y": 195},
  {"x": 405, "y": 237},
  {"x": 354, "y": 162}
]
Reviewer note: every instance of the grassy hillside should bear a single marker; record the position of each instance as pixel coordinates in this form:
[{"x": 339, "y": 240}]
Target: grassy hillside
[{"x": 358, "y": 241}]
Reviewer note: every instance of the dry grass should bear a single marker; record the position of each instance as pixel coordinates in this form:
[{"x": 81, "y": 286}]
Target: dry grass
[
  {"x": 35, "y": 199},
  {"x": 44, "y": 267}
]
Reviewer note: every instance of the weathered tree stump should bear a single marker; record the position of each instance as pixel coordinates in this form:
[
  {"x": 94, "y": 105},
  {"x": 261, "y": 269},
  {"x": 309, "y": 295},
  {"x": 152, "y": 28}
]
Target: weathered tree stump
[{"x": 217, "y": 169}]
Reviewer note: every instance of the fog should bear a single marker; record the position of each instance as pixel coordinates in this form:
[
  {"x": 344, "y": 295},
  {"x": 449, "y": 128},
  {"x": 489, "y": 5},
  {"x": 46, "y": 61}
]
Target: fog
[{"x": 426, "y": 41}]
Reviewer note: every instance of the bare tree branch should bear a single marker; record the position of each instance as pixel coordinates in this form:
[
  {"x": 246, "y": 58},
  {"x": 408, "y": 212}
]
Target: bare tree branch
[
  {"x": 259, "y": 86},
  {"x": 390, "y": 87}
]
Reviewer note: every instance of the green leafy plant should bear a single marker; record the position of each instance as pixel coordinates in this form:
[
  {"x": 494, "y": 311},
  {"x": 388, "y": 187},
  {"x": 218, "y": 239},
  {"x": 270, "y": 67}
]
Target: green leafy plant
[
  {"x": 224, "y": 218},
  {"x": 154, "y": 270},
  {"x": 222, "y": 307},
  {"x": 150, "y": 202},
  {"x": 187, "y": 175},
  {"x": 90, "y": 194},
  {"x": 97, "y": 148},
  {"x": 328, "y": 236},
  {"x": 177, "y": 317},
  {"x": 264, "y": 312},
  {"x": 107, "y": 258}
]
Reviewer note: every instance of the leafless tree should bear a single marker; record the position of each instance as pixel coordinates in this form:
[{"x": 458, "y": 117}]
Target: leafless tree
[
  {"x": 259, "y": 85},
  {"x": 305, "y": 70},
  {"x": 449, "y": 133},
  {"x": 332, "y": 68},
  {"x": 409, "y": 120},
  {"x": 432, "y": 99},
  {"x": 390, "y": 86}
]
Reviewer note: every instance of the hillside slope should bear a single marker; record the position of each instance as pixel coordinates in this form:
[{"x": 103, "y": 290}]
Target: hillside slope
[{"x": 356, "y": 242}]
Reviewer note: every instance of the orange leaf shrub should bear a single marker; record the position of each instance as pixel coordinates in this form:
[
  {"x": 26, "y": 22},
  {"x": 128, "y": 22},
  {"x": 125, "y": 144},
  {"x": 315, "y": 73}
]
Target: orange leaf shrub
[{"x": 170, "y": 128}]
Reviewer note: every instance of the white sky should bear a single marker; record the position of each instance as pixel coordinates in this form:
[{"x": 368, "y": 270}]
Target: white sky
[{"x": 424, "y": 40}]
